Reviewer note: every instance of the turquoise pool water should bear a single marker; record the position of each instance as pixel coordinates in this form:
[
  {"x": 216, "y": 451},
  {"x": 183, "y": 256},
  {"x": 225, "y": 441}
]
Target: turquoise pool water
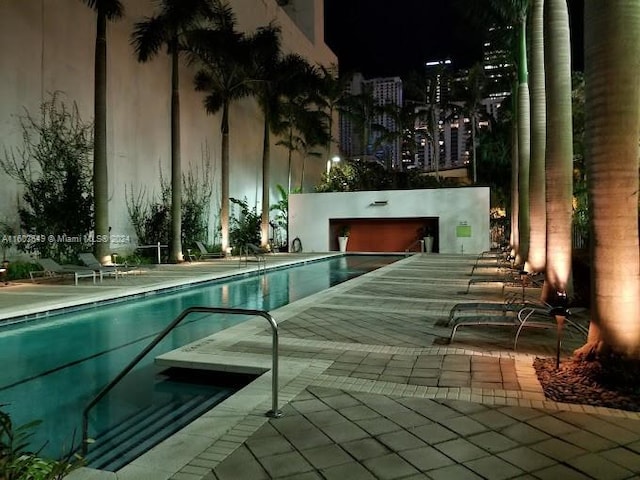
[{"x": 53, "y": 367}]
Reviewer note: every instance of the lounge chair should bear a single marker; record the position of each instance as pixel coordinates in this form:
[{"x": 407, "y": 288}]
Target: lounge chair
[
  {"x": 92, "y": 262},
  {"x": 204, "y": 253},
  {"x": 251, "y": 252},
  {"x": 529, "y": 316},
  {"x": 52, "y": 269},
  {"x": 512, "y": 303}
]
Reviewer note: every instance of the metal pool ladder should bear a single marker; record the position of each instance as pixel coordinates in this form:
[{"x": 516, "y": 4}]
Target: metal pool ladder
[{"x": 274, "y": 412}]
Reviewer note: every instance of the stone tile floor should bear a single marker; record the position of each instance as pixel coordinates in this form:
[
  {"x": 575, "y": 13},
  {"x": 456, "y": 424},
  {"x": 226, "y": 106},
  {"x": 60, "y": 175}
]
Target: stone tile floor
[{"x": 378, "y": 393}]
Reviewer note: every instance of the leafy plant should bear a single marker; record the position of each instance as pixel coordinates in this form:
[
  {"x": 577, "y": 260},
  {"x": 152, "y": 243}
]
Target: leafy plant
[
  {"x": 151, "y": 217},
  {"x": 245, "y": 226},
  {"x": 19, "y": 270},
  {"x": 197, "y": 187},
  {"x": 53, "y": 165},
  {"x": 17, "y": 463},
  {"x": 280, "y": 223}
]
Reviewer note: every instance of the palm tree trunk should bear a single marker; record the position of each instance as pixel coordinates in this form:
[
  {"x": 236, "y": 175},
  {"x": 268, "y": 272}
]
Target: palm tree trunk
[
  {"x": 514, "y": 240},
  {"x": 524, "y": 147},
  {"x": 100, "y": 173},
  {"x": 559, "y": 171},
  {"x": 175, "y": 254},
  {"x": 612, "y": 117},
  {"x": 538, "y": 219},
  {"x": 289, "y": 179},
  {"x": 266, "y": 167},
  {"x": 224, "y": 180}
]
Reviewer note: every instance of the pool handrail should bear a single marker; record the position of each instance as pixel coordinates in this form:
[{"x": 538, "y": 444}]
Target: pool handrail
[{"x": 274, "y": 412}]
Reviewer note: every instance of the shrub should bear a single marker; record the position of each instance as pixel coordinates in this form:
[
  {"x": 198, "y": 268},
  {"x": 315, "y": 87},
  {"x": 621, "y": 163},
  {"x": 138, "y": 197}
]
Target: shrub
[
  {"x": 18, "y": 463},
  {"x": 244, "y": 226},
  {"x": 53, "y": 165}
]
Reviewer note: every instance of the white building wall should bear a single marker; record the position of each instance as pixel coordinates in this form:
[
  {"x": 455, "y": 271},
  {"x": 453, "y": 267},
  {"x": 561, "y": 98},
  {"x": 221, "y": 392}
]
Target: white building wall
[
  {"x": 309, "y": 214},
  {"x": 49, "y": 45}
]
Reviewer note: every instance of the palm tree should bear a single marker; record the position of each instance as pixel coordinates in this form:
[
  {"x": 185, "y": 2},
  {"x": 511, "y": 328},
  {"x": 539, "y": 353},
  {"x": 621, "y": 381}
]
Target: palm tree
[
  {"x": 302, "y": 126},
  {"x": 274, "y": 78},
  {"x": 471, "y": 97},
  {"x": 361, "y": 109},
  {"x": 225, "y": 59},
  {"x": 427, "y": 89},
  {"x": 333, "y": 93},
  {"x": 612, "y": 125},
  {"x": 559, "y": 149},
  {"x": 537, "y": 210},
  {"x": 105, "y": 10},
  {"x": 513, "y": 15},
  {"x": 167, "y": 28}
]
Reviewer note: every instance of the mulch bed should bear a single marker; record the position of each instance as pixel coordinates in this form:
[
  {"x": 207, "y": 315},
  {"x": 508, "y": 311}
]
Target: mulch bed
[{"x": 611, "y": 384}]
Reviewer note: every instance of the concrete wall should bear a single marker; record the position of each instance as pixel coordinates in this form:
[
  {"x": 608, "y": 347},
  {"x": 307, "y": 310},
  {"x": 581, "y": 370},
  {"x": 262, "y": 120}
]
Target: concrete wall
[
  {"x": 310, "y": 214},
  {"x": 48, "y": 45}
]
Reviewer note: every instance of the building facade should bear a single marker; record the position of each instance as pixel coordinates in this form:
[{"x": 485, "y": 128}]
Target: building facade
[{"x": 49, "y": 47}]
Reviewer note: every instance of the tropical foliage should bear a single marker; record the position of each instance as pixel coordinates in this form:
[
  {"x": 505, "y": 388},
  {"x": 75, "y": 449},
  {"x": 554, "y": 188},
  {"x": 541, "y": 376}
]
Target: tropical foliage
[
  {"x": 17, "y": 462},
  {"x": 244, "y": 226},
  {"x": 53, "y": 165}
]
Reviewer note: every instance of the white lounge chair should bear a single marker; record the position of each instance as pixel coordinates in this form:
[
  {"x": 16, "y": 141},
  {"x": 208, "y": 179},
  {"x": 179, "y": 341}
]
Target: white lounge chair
[
  {"x": 52, "y": 269},
  {"x": 92, "y": 262}
]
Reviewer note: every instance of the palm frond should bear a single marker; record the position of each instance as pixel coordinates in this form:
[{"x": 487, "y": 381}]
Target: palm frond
[
  {"x": 112, "y": 9},
  {"x": 148, "y": 37}
]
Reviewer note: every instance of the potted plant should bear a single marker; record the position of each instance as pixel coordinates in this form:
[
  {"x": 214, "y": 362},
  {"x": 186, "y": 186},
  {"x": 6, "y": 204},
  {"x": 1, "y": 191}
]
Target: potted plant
[
  {"x": 343, "y": 237},
  {"x": 427, "y": 235}
]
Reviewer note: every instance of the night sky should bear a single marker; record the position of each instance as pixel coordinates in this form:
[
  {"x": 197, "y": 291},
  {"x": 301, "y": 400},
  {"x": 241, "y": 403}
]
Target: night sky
[{"x": 393, "y": 37}]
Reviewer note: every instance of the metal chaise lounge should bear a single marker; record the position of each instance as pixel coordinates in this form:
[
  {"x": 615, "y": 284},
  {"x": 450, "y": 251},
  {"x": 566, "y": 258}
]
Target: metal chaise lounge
[
  {"x": 52, "y": 269},
  {"x": 251, "y": 252},
  {"x": 512, "y": 303},
  {"x": 512, "y": 279},
  {"x": 92, "y": 262},
  {"x": 530, "y": 316},
  {"x": 203, "y": 253}
]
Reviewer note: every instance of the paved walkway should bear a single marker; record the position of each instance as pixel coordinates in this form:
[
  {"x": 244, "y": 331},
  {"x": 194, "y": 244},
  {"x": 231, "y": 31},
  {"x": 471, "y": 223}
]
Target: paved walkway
[{"x": 371, "y": 389}]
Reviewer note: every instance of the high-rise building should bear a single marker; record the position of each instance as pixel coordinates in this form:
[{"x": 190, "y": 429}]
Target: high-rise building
[
  {"x": 498, "y": 65},
  {"x": 373, "y": 117}
]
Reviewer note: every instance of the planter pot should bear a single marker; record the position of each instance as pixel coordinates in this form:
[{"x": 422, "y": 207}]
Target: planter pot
[
  {"x": 342, "y": 243},
  {"x": 428, "y": 244}
]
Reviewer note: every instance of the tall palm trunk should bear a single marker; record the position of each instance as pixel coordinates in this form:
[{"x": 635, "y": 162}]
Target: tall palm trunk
[
  {"x": 524, "y": 146},
  {"x": 537, "y": 245},
  {"x": 100, "y": 173},
  {"x": 175, "y": 254},
  {"x": 224, "y": 180},
  {"x": 514, "y": 240},
  {"x": 612, "y": 100},
  {"x": 266, "y": 167},
  {"x": 559, "y": 171}
]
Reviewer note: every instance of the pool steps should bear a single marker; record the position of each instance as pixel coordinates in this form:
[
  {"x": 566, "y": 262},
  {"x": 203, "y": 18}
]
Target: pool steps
[{"x": 145, "y": 429}]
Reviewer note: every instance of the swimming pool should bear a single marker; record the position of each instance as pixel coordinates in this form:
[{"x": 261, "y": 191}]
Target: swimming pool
[{"x": 53, "y": 367}]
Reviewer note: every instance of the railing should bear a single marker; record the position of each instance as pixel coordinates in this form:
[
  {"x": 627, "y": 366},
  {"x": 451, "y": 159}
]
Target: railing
[
  {"x": 274, "y": 412},
  {"x": 413, "y": 244}
]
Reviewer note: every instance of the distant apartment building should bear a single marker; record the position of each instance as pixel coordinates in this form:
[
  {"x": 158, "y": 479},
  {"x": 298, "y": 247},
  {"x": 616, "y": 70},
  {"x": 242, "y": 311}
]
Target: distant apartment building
[
  {"x": 452, "y": 146},
  {"x": 498, "y": 66},
  {"x": 361, "y": 137}
]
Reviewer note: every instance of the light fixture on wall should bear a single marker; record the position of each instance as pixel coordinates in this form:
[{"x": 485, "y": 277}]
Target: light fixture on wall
[{"x": 378, "y": 203}]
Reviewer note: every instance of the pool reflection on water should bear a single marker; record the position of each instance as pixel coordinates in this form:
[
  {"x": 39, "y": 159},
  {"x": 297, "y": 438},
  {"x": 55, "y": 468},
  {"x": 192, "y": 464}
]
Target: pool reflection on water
[{"x": 53, "y": 367}]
